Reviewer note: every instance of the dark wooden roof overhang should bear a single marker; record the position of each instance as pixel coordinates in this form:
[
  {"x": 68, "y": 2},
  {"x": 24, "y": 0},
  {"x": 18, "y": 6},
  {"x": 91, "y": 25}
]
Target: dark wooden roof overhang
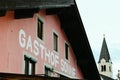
[
  {"x": 24, "y": 4},
  {"x": 26, "y": 8},
  {"x": 73, "y": 26},
  {"x": 71, "y": 23}
]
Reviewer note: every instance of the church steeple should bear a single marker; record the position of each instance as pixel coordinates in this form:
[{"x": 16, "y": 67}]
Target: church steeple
[
  {"x": 104, "y": 63},
  {"x": 104, "y": 54}
]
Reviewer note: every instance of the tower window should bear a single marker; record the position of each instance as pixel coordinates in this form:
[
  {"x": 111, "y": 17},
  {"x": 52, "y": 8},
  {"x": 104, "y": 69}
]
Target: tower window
[
  {"x": 103, "y": 68},
  {"x": 110, "y": 68}
]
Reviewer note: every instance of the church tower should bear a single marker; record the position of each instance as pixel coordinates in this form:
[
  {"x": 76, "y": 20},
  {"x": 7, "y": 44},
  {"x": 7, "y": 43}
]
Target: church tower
[{"x": 105, "y": 63}]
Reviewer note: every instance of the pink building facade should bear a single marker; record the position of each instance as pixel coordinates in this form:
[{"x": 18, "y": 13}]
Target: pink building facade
[
  {"x": 19, "y": 40},
  {"x": 44, "y": 38}
]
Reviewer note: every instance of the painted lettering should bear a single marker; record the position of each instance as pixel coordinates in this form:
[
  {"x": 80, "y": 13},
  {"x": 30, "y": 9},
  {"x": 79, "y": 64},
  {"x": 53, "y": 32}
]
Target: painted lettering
[
  {"x": 62, "y": 65},
  {"x": 34, "y": 46},
  {"x": 22, "y": 39},
  {"x": 47, "y": 55},
  {"x": 42, "y": 50},
  {"x": 52, "y": 58},
  {"x": 56, "y": 60},
  {"x": 29, "y": 44},
  {"x": 36, "y": 49},
  {"x": 67, "y": 68}
]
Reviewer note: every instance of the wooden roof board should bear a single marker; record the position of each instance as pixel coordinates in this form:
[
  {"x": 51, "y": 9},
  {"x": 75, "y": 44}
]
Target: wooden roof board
[{"x": 21, "y": 4}]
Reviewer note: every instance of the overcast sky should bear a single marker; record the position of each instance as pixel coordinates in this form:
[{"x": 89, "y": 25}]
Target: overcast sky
[{"x": 102, "y": 17}]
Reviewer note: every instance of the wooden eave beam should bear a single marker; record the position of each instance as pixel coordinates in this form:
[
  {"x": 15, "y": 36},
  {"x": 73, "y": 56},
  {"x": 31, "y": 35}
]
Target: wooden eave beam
[
  {"x": 24, "y": 13},
  {"x": 2, "y": 13}
]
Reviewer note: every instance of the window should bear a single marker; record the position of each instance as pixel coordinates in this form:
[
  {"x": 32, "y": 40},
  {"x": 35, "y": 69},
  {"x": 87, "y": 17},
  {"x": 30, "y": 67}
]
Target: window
[
  {"x": 48, "y": 71},
  {"x": 55, "y": 42},
  {"x": 66, "y": 51},
  {"x": 40, "y": 29},
  {"x": 109, "y": 68},
  {"x": 103, "y": 68},
  {"x": 29, "y": 66}
]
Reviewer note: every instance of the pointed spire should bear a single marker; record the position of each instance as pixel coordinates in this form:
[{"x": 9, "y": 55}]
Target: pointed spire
[
  {"x": 103, "y": 35},
  {"x": 104, "y": 51}
]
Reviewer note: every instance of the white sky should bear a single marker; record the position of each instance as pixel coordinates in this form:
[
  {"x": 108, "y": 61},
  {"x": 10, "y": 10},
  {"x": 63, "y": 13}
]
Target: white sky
[{"x": 102, "y": 17}]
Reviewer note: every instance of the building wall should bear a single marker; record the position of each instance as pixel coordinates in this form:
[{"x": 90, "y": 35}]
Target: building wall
[
  {"x": 108, "y": 68},
  {"x": 18, "y": 38}
]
